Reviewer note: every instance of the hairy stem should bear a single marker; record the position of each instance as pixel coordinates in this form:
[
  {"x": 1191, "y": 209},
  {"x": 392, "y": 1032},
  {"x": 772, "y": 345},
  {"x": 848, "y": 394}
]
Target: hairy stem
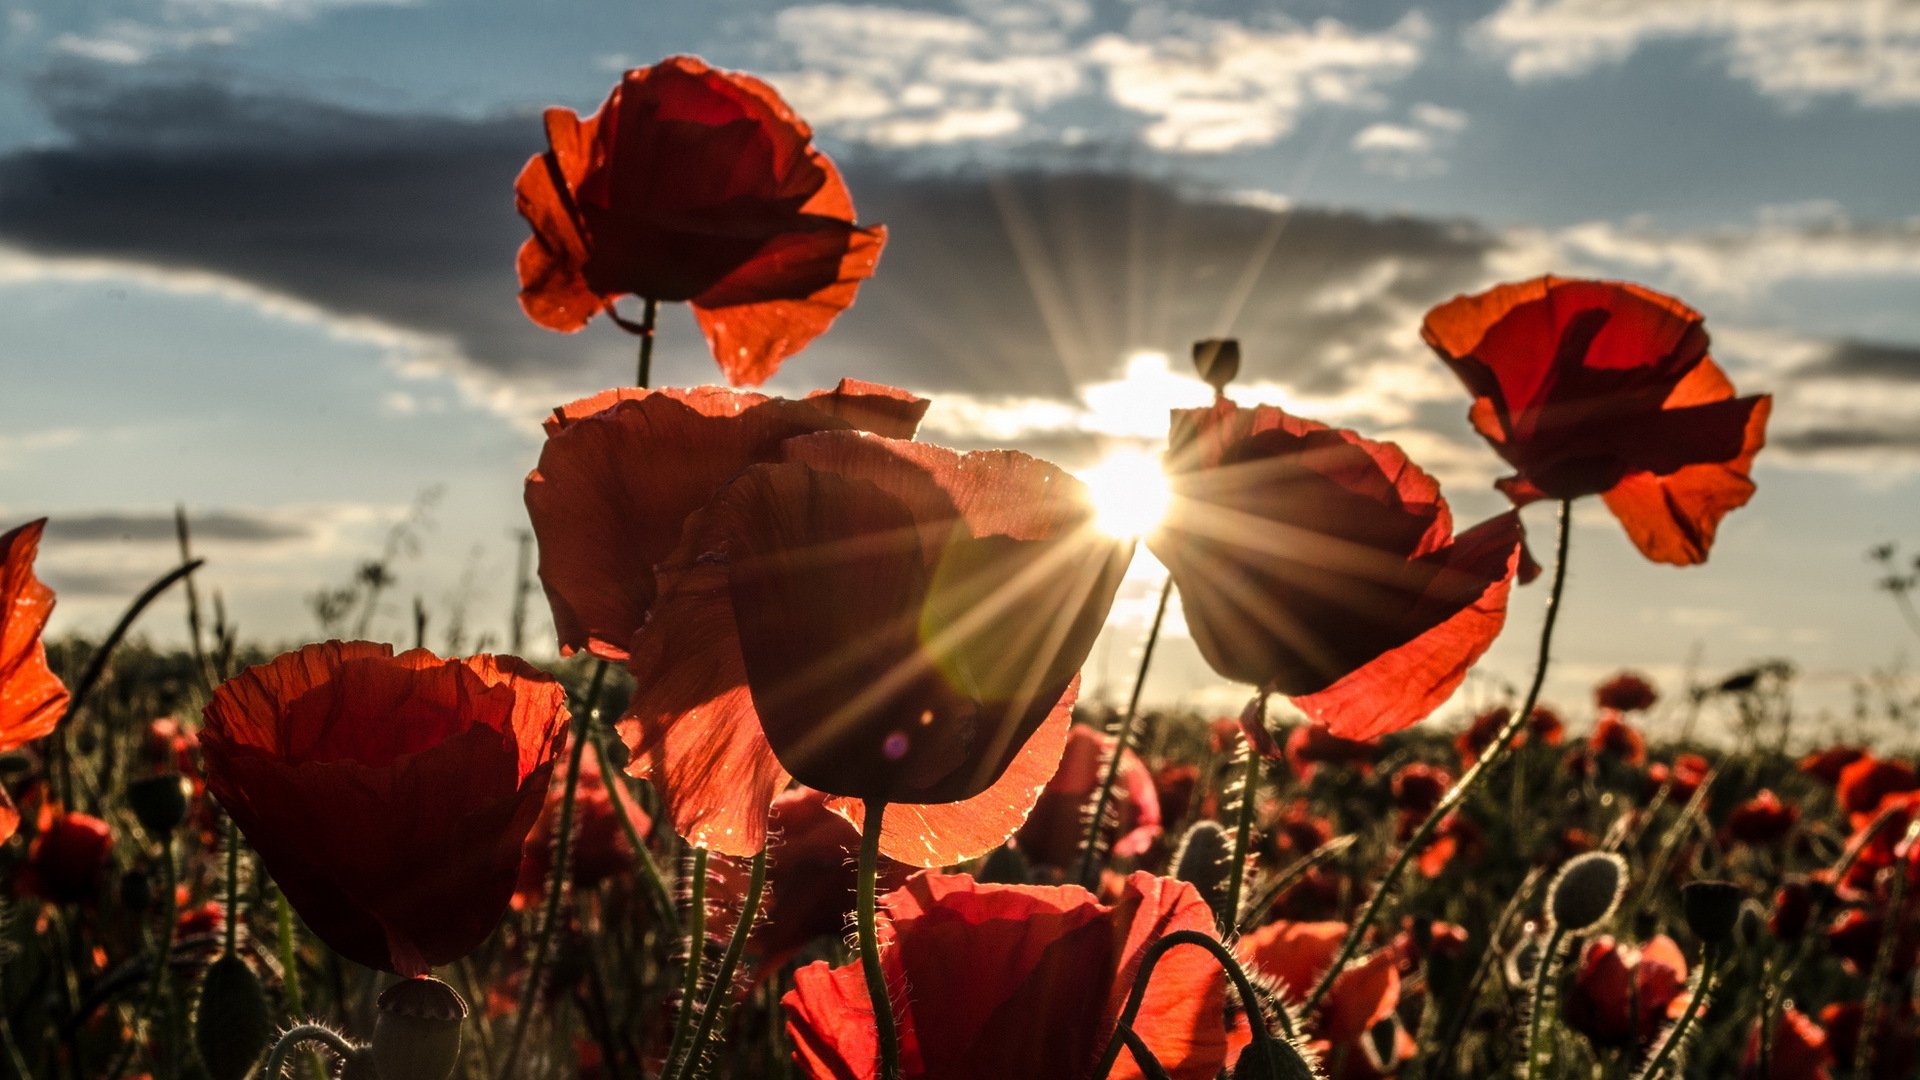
[
  {"x": 868, "y": 919},
  {"x": 1090, "y": 849},
  {"x": 1465, "y": 785},
  {"x": 721, "y": 991}
]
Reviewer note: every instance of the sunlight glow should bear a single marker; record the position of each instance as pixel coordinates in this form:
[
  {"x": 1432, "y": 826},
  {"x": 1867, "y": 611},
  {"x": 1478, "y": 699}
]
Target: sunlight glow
[
  {"x": 1129, "y": 491},
  {"x": 1136, "y": 404}
]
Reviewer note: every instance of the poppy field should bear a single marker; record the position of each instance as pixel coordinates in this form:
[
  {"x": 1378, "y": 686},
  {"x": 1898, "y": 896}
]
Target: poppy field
[{"x": 811, "y": 790}]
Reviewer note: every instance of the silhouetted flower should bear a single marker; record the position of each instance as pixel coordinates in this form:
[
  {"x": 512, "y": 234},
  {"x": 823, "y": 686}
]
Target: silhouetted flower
[
  {"x": 1320, "y": 565},
  {"x": 862, "y": 617},
  {"x": 1605, "y": 388},
  {"x": 700, "y": 185},
  {"x": 389, "y": 796},
  {"x": 622, "y": 470}
]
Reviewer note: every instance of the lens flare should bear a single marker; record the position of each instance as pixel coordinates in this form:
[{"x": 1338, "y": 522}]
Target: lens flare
[{"x": 1129, "y": 491}]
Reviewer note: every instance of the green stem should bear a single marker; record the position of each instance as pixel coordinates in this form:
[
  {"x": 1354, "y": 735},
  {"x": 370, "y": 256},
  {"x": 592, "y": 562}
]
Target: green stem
[
  {"x": 1256, "y": 1017},
  {"x": 656, "y": 886},
  {"x": 722, "y": 988},
  {"x": 647, "y": 320},
  {"x": 1242, "y": 831},
  {"x": 1464, "y": 787},
  {"x": 162, "y": 953},
  {"x": 1890, "y": 931},
  {"x": 303, "y": 1033},
  {"x": 696, "y": 955},
  {"x": 1090, "y": 849},
  {"x": 233, "y": 888},
  {"x": 1256, "y": 911},
  {"x": 1489, "y": 956},
  {"x": 1537, "y": 1024},
  {"x": 557, "y": 876},
  {"x": 1677, "y": 1035},
  {"x": 865, "y": 914}
]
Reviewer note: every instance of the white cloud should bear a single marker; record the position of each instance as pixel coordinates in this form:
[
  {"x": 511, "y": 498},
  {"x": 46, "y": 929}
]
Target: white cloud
[
  {"x": 1794, "y": 49},
  {"x": 900, "y": 77},
  {"x": 1414, "y": 148}
]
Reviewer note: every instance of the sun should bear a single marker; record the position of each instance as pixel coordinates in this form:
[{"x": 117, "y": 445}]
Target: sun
[{"x": 1129, "y": 491}]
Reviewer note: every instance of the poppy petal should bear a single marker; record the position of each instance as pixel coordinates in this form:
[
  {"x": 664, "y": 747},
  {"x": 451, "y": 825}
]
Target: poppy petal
[
  {"x": 751, "y": 338},
  {"x": 32, "y": 697},
  {"x": 941, "y": 834},
  {"x": 1407, "y": 683}
]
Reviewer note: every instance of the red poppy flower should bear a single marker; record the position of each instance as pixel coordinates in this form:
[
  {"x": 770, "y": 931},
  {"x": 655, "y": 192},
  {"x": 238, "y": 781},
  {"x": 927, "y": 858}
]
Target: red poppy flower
[
  {"x": 1628, "y": 691},
  {"x": 1624, "y": 996},
  {"x": 1615, "y": 738},
  {"x": 1174, "y": 786},
  {"x": 389, "y": 796},
  {"x": 1896, "y": 1048},
  {"x": 1310, "y": 746},
  {"x": 32, "y": 698},
  {"x": 1792, "y": 909},
  {"x": 1762, "y": 820},
  {"x": 1058, "y": 825},
  {"x": 1543, "y": 724},
  {"x": 700, "y": 185},
  {"x": 1855, "y": 937},
  {"x": 1799, "y": 1050},
  {"x": 1827, "y": 764},
  {"x": 1682, "y": 778},
  {"x": 67, "y": 861},
  {"x": 1017, "y": 980},
  {"x": 1605, "y": 388},
  {"x": 598, "y": 849},
  {"x": 1294, "y": 831},
  {"x": 860, "y": 617},
  {"x": 1458, "y": 836},
  {"x": 1866, "y": 783},
  {"x": 1321, "y": 565},
  {"x": 1366, "y": 992},
  {"x": 1418, "y": 787},
  {"x": 622, "y": 470}
]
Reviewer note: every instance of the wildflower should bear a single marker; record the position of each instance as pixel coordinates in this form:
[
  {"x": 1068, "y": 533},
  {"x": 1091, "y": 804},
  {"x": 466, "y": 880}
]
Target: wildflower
[
  {"x": 389, "y": 796},
  {"x": 1605, "y": 388},
  {"x": 699, "y": 185},
  {"x": 621, "y": 472},
  {"x": 1062, "y": 968},
  {"x": 860, "y": 617},
  {"x": 1320, "y": 565}
]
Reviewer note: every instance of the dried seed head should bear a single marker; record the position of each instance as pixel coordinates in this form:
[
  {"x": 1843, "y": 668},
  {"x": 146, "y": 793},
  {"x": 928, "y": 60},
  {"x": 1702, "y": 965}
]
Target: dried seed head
[{"x": 1712, "y": 908}]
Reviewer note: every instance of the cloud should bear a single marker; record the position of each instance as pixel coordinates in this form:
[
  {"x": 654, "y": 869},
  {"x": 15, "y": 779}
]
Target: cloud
[
  {"x": 1742, "y": 260},
  {"x": 1867, "y": 50},
  {"x": 1411, "y": 149},
  {"x": 400, "y": 230},
  {"x": 1870, "y": 360},
  {"x": 224, "y": 526},
  {"x": 997, "y": 71}
]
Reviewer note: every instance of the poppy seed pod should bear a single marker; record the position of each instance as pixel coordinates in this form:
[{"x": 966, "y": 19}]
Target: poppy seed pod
[
  {"x": 1275, "y": 1060},
  {"x": 159, "y": 803},
  {"x": 1217, "y": 360},
  {"x": 417, "y": 1036},
  {"x": 1712, "y": 908},
  {"x": 231, "y": 1027},
  {"x": 1005, "y": 865},
  {"x": 1201, "y": 860},
  {"x": 1585, "y": 891}
]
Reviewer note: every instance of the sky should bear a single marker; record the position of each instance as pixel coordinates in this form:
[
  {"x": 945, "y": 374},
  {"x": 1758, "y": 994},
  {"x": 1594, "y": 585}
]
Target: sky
[{"x": 256, "y": 259}]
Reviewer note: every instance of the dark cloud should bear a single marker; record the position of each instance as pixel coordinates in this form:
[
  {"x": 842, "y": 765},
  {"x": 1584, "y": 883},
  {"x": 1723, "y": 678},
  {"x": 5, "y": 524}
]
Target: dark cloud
[
  {"x": 1867, "y": 360},
  {"x": 226, "y": 527},
  {"x": 1865, "y": 437},
  {"x": 1017, "y": 284},
  {"x": 98, "y": 584}
]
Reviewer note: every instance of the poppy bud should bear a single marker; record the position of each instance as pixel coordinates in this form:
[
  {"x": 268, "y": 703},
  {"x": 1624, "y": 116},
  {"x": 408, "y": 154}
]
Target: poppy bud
[
  {"x": 159, "y": 803},
  {"x": 232, "y": 1027},
  {"x": 1711, "y": 907},
  {"x": 1004, "y": 865},
  {"x": 1217, "y": 360},
  {"x": 1752, "y": 925},
  {"x": 1584, "y": 892},
  {"x": 417, "y": 1036},
  {"x": 1275, "y": 1060},
  {"x": 1201, "y": 861}
]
